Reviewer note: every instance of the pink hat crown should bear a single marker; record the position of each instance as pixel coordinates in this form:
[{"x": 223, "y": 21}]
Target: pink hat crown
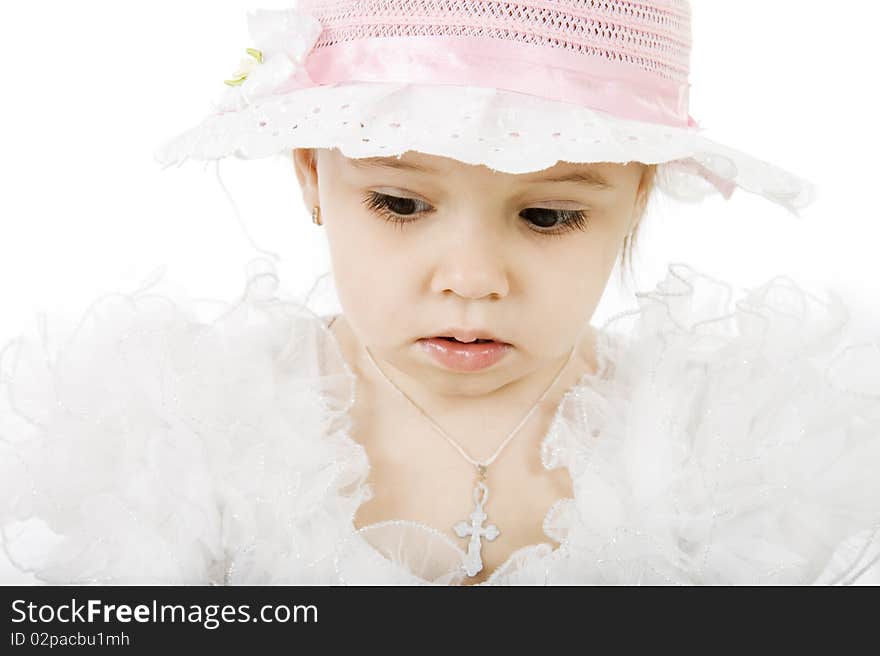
[{"x": 630, "y": 59}]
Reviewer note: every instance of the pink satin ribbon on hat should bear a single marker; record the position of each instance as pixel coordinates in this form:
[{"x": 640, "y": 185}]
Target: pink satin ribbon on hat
[{"x": 618, "y": 88}]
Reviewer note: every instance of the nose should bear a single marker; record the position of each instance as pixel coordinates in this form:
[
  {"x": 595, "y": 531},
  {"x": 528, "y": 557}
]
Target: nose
[{"x": 472, "y": 264}]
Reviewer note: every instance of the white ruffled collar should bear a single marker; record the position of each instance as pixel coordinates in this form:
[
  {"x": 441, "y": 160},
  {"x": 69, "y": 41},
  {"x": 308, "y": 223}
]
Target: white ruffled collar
[{"x": 734, "y": 440}]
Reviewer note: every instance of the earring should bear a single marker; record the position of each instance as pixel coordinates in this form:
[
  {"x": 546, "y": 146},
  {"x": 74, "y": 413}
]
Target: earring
[{"x": 316, "y": 215}]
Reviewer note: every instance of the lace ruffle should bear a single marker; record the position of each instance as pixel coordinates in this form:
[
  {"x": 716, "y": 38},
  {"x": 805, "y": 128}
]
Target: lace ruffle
[
  {"x": 720, "y": 451},
  {"x": 103, "y": 480},
  {"x": 505, "y": 131}
]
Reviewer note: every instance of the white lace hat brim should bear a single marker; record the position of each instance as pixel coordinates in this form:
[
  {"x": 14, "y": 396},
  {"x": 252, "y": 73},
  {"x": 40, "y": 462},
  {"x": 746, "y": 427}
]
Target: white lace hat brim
[{"x": 503, "y": 130}]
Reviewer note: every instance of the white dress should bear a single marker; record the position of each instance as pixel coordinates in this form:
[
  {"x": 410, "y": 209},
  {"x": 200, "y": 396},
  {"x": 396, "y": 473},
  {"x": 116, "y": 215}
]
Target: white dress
[{"x": 722, "y": 440}]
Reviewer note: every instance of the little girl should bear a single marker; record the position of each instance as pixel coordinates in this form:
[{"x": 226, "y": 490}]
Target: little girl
[{"x": 479, "y": 169}]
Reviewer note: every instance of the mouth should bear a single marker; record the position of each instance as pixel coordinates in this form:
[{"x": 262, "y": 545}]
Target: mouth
[
  {"x": 457, "y": 335},
  {"x": 476, "y": 341},
  {"x": 471, "y": 356}
]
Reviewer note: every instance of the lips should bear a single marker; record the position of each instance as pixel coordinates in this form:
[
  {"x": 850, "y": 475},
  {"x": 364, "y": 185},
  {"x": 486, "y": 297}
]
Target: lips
[{"x": 464, "y": 357}]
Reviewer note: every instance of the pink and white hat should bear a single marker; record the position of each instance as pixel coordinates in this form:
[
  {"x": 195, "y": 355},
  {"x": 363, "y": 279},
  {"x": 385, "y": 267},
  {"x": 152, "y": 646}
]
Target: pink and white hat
[{"x": 515, "y": 86}]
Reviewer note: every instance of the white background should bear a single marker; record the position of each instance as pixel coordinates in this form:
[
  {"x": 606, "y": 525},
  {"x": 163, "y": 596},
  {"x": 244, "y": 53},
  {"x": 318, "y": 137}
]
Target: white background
[{"x": 91, "y": 88}]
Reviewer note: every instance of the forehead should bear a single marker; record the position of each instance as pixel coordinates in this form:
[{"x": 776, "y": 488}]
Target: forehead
[{"x": 596, "y": 175}]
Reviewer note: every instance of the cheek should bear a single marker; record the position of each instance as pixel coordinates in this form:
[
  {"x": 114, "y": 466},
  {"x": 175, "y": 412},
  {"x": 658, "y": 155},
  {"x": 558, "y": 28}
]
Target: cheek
[
  {"x": 356, "y": 231},
  {"x": 595, "y": 252},
  {"x": 568, "y": 292},
  {"x": 567, "y": 283},
  {"x": 365, "y": 266},
  {"x": 585, "y": 255}
]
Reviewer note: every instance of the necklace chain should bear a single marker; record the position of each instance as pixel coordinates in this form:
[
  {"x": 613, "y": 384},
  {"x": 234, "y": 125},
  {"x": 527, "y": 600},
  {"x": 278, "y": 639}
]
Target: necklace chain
[{"x": 481, "y": 466}]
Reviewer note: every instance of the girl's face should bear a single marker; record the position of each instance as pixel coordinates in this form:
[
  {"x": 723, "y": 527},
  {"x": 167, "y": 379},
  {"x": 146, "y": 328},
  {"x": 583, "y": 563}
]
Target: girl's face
[{"x": 422, "y": 244}]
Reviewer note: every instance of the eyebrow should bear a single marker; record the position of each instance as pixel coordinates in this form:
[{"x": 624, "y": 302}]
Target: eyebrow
[
  {"x": 588, "y": 178},
  {"x": 389, "y": 162}
]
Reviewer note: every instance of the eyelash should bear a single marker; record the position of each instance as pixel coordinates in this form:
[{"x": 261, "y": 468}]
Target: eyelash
[{"x": 380, "y": 204}]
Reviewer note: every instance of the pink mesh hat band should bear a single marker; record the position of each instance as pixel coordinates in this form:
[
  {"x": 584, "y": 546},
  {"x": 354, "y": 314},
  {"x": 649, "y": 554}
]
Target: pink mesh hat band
[
  {"x": 627, "y": 59},
  {"x": 513, "y": 86}
]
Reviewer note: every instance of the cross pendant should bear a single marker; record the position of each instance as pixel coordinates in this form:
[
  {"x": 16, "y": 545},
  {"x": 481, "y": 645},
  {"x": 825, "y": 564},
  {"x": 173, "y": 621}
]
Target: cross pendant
[{"x": 473, "y": 563}]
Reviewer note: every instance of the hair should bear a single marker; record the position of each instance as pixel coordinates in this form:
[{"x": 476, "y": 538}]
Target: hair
[{"x": 649, "y": 176}]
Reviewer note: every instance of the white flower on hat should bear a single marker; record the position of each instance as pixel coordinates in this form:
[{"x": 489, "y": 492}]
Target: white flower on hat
[
  {"x": 283, "y": 40},
  {"x": 245, "y": 66}
]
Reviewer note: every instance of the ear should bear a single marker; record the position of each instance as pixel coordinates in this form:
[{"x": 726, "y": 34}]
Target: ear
[{"x": 305, "y": 163}]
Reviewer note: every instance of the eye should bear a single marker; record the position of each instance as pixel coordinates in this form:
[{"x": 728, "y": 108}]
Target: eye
[
  {"x": 547, "y": 221},
  {"x": 565, "y": 220},
  {"x": 392, "y": 208}
]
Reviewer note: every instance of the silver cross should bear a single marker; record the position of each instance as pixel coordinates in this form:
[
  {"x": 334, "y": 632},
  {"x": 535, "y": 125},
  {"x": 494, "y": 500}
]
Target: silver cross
[{"x": 472, "y": 562}]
